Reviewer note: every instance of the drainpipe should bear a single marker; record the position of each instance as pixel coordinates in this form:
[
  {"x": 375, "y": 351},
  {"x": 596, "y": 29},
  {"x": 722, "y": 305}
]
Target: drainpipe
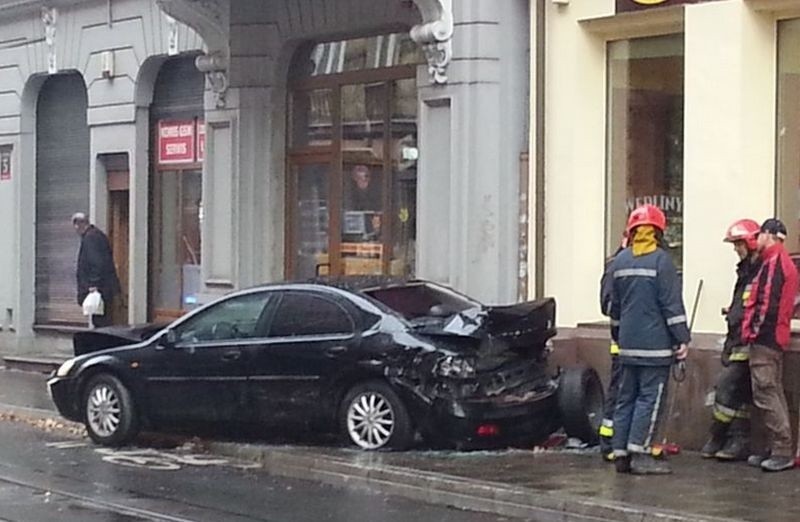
[{"x": 537, "y": 145}]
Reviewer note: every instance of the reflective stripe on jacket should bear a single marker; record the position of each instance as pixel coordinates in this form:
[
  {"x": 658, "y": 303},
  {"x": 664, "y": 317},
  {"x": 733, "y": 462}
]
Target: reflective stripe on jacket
[{"x": 647, "y": 313}]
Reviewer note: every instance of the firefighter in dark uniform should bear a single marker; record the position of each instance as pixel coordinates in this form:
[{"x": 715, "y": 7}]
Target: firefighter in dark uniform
[
  {"x": 730, "y": 427},
  {"x": 649, "y": 319},
  {"x": 606, "y": 430}
]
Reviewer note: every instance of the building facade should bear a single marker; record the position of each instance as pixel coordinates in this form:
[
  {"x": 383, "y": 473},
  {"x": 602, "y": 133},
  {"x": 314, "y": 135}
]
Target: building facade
[
  {"x": 689, "y": 105},
  {"x": 225, "y": 143}
]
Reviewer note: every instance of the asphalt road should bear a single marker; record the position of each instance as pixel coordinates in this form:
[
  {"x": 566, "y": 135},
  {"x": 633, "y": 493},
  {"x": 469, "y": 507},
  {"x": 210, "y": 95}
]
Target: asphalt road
[{"x": 54, "y": 476}]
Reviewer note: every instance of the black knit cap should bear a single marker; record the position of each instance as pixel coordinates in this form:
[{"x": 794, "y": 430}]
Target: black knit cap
[{"x": 775, "y": 227}]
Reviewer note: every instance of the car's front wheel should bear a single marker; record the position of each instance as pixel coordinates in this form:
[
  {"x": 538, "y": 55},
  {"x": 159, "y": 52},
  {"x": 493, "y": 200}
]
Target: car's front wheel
[
  {"x": 109, "y": 412},
  {"x": 373, "y": 417}
]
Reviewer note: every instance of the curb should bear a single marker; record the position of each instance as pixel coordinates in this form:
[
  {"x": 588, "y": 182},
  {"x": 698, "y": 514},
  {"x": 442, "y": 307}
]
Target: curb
[
  {"x": 448, "y": 490},
  {"x": 423, "y": 486},
  {"x": 32, "y": 364}
]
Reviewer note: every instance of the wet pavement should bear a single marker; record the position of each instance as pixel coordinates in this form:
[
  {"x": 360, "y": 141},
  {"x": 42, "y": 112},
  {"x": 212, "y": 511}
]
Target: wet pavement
[
  {"x": 698, "y": 488},
  {"x": 48, "y": 477}
]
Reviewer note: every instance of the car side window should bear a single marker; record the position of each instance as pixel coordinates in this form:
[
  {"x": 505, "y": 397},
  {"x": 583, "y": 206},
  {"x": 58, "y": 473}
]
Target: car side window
[
  {"x": 236, "y": 318},
  {"x": 304, "y": 314}
]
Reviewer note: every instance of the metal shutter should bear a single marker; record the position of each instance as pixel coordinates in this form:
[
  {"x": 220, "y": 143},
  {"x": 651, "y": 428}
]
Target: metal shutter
[
  {"x": 62, "y": 188},
  {"x": 178, "y": 91}
]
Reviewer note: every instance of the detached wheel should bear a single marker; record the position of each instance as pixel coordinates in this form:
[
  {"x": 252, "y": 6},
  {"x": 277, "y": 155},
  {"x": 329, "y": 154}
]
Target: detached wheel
[
  {"x": 373, "y": 417},
  {"x": 110, "y": 415},
  {"x": 580, "y": 402}
]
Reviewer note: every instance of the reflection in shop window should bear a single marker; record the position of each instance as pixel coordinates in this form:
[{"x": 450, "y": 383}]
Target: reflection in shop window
[
  {"x": 788, "y": 131},
  {"x": 645, "y": 134}
]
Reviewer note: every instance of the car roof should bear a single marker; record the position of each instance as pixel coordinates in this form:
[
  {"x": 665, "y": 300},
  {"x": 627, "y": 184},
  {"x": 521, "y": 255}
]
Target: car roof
[{"x": 355, "y": 283}]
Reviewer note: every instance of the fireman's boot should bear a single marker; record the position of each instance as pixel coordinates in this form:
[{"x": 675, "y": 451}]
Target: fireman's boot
[
  {"x": 716, "y": 439},
  {"x": 737, "y": 446},
  {"x": 645, "y": 464}
]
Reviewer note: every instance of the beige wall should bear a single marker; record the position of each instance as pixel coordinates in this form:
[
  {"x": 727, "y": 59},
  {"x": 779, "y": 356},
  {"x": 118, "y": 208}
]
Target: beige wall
[{"x": 729, "y": 145}]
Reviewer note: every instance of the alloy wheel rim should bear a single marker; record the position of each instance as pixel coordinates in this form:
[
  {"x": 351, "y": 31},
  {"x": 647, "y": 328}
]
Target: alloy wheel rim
[
  {"x": 370, "y": 420},
  {"x": 103, "y": 410}
]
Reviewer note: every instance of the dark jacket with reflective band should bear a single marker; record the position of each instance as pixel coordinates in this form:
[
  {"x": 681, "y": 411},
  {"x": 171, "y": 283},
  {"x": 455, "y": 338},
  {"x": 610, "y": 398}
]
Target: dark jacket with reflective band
[
  {"x": 647, "y": 308},
  {"x": 768, "y": 311},
  {"x": 606, "y": 288},
  {"x": 746, "y": 271}
]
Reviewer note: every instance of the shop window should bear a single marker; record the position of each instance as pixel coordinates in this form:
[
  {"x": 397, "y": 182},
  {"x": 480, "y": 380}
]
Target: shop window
[
  {"x": 788, "y": 130},
  {"x": 645, "y": 134},
  {"x": 353, "y": 158}
]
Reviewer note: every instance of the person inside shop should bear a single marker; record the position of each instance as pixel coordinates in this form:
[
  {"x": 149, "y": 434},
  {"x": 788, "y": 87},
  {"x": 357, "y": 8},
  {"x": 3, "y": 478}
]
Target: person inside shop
[
  {"x": 649, "y": 319},
  {"x": 362, "y": 206},
  {"x": 766, "y": 328},
  {"x": 95, "y": 268},
  {"x": 729, "y": 437}
]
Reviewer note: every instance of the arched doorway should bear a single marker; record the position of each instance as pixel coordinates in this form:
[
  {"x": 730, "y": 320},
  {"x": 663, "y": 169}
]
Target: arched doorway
[
  {"x": 177, "y": 147},
  {"x": 62, "y": 188},
  {"x": 352, "y": 158}
]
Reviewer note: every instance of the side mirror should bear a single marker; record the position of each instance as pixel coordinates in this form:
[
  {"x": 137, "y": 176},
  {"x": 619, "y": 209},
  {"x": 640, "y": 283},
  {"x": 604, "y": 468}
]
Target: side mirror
[{"x": 168, "y": 339}]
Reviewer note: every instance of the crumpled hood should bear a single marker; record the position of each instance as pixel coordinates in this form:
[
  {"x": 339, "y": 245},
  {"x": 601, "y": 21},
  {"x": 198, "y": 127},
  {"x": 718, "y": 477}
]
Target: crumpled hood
[{"x": 523, "y": 327}]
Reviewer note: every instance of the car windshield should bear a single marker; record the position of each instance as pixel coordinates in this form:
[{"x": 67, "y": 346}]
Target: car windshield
[{"x": 418, "y": 300}]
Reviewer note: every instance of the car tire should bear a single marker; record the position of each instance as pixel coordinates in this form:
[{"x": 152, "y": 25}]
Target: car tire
[
  {"x": 373, "y": 417},
  {"x": 580, "y": 403},
  {"x": 109, "y": 411}
]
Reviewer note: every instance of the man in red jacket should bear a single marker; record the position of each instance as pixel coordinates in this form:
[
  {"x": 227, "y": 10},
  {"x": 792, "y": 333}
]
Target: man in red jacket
[{"x": 766, "y": 328}]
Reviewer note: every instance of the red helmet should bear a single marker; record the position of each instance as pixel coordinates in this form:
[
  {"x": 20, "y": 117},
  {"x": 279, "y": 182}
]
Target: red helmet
[
  {"x": 744, "y": 230},
  {"x": 646, "y": 215}
]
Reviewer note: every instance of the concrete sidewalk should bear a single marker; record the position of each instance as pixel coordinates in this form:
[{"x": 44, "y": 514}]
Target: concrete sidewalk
[{"x": 542, "y": 486}]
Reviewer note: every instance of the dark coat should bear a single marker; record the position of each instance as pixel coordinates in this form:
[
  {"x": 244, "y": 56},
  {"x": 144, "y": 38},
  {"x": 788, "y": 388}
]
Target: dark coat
[
  {"x": 96, "y": 266},
  {"x": 746, "y": 271},
  {"x": 647, "y": 312}
]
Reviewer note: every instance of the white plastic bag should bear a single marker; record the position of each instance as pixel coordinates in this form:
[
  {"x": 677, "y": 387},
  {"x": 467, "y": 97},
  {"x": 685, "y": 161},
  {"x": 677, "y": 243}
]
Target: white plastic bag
[{"x": 93, "y": 304}]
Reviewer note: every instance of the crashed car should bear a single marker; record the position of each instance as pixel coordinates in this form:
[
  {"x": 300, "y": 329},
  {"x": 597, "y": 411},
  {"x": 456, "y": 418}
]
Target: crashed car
[{"x": 378, "y": 359}]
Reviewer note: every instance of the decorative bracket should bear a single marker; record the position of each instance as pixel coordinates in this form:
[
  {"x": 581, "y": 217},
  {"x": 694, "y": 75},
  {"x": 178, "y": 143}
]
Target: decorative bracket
[
  {"x": 49, "y": 17},
  {"x": 215, "y": 67},
  {"x": 435, "y": 35}
]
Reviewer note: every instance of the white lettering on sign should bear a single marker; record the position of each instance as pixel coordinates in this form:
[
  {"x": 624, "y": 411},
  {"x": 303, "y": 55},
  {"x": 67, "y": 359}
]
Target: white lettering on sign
[
  {"x": 670, "y": 204},
  {"x": 176, "y": 148}
]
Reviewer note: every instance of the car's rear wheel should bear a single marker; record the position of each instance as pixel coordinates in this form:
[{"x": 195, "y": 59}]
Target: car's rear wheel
[
  {"x": 109, "y": 412},
  {"x": 580, "y": 402},
  {"x": 373, "y": 417}
]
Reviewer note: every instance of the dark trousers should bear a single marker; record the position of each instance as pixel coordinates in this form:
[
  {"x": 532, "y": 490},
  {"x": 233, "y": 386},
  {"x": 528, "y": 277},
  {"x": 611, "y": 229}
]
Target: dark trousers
[
  {"x": 641, "y": 395},
  {"x": 607, "y": 426},
  {"x": 732, "y": 399},
  {"x": 766, "y": 368}
]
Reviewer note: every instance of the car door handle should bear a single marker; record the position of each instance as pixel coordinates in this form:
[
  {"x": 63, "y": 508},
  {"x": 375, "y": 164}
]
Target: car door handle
[
  {"x": 333, "y": 351},
  {"x": 231, "y": 355}
]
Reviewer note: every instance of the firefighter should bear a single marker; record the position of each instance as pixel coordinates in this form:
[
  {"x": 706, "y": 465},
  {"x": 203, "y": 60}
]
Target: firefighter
[
  {"x": 730, "y": 427},
  {"x": 766, "y": 327},
  {"x": 606, "y": 430},
  {"x": 649, "y": 319}
]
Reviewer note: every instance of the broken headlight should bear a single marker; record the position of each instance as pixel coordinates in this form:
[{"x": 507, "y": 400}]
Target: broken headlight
[{"x": 455, "y": 367}]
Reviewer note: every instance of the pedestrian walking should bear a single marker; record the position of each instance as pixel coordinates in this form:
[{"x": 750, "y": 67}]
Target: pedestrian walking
[
  {"x": 606, "y": 430},
  {"x": 766, "y": 329},
  {"x": 729, "y": 437},
  {"x": 95, "y": 270},
  {"x": 648, "y": 314}
]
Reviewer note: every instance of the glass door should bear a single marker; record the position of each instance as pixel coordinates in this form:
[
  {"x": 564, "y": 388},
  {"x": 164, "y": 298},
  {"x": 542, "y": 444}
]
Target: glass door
[{"x": 310, "y": 218}]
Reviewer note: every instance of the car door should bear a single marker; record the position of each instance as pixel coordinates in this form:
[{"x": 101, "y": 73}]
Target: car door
[
  {"x": 202, "y": 376},
  {"x": 312, "y": 339}
]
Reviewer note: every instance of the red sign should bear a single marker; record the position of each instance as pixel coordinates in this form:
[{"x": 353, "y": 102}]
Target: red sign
[
  {"x": 176, "y": 142},
  {"x": 635, "y": 5},
  {"x": 5, "y": 162},
  {"x": 201, "y": 140}
]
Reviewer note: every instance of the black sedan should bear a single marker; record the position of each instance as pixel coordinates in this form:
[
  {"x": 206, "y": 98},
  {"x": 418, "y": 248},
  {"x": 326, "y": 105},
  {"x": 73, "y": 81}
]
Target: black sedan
[{"x": 380, "y": 360}]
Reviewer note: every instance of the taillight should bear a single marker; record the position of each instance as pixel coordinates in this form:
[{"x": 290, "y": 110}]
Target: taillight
[{"x": 488, "y": 430}]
